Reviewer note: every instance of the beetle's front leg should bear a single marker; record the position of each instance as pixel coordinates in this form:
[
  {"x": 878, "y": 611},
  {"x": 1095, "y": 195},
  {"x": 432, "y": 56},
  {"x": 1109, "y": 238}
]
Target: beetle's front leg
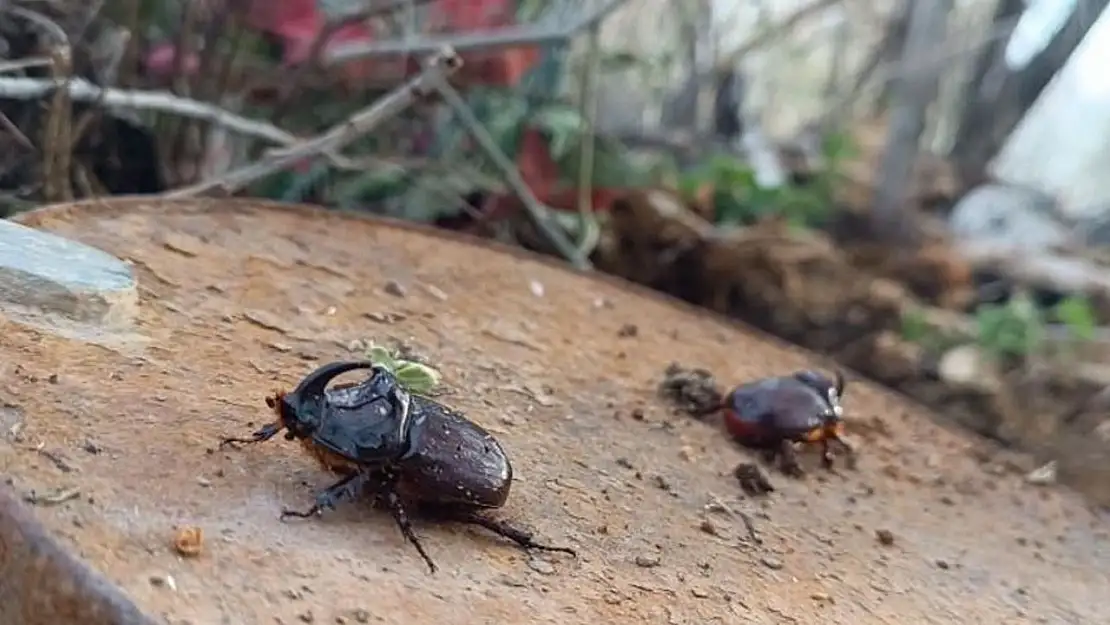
[
  {"x": 345, "y": 488},
  {"x": 263, "y": 433},
  {"x": 826, "y": 454},
  {"x": 849, "y": 450},
  {"x": 788, "y": 460}
]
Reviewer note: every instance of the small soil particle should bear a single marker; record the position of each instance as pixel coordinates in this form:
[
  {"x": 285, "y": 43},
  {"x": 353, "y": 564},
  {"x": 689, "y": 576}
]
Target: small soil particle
[
  {"x": 394, "y": 288},
  {"x": 362, "y": 616},
  {"x": 188, "y": 541},
  {"x": 885, "y": 537},
  {"x": 628, "y": 330},
  {"x": 771, "y": 562},
  {"x": 543, "y": 567},
  {"x": 943, "y": 564},
  {"x": 647, "y": 561}
]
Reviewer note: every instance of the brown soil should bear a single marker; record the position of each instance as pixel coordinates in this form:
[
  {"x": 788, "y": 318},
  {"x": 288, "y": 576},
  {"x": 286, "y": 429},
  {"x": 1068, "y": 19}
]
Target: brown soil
[{"x": 239, "y": 298}]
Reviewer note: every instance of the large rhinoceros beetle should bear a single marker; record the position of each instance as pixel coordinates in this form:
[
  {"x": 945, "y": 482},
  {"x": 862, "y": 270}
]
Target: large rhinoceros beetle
[
  {"x": 773, "y": 414},
  {"x": 404, "y": 449}
]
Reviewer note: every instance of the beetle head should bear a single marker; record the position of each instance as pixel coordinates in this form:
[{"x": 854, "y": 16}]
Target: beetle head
[
  {"x": 831, "y": 391},
  {"x": 300, "y": 411}
]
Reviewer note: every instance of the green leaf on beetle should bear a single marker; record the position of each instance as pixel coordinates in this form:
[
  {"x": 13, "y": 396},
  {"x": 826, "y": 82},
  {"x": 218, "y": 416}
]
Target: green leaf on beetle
[
  {"x": 417, "y": 378},
  {"x": 414, "y": 377},
  {"x": 382, "y": 356}
]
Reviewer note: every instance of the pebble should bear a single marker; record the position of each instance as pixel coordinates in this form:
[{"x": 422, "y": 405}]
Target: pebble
[
  {"x": 163, "y": 581},
  {"x": 885, "y": 537},
  {"x": 362, "y": 616},
  {"x": 394, "y": 288},
  {"x": 647, "y": 561},
  {"x": 543, "y": 567},
  {"x": 436, "y": 292},
  {"x": 771, "y": 563}
]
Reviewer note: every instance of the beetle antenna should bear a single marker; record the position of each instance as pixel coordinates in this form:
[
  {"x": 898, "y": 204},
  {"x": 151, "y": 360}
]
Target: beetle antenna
[
  {"x": 839, "y": 383},
  {"x": 314, "y": 383}
]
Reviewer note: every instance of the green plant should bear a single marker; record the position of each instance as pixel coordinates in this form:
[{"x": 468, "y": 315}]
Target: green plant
[
  {"x": 739, "y": 199},
  {"x": 414, "y": 377},
  {"x": 1078, "y": 316},
  {"x": 1014, "y": 329}
]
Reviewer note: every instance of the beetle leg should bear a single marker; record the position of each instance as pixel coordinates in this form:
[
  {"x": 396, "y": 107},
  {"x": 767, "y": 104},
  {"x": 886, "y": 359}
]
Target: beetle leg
[
  {"x": 849, "y": 451},
  {"x": 401, "y": 516},
  {"x": 344, "y": 488},
  {"x": 263, "y": 433},
  {"x": 826, "y": 454},
  {"x": 505, "y": 530},
  {"x": 788, "y": 460}
]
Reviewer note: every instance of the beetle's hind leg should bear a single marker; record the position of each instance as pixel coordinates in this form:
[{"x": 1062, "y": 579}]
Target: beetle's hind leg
[
  {"x": 401, "y": 516},
  {"x": 345, "y": 488},
  {"x": 521, "y": 537}
]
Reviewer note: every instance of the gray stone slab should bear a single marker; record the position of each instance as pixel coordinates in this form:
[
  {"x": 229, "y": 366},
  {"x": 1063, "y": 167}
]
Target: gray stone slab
[{"x": 43, "y": 272}]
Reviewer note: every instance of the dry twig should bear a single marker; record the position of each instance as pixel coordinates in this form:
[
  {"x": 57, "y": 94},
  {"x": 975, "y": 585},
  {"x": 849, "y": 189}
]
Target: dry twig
[
  {"x": 81, "y": 90},
  {"x": 500, "y": 38},
  {"x": 537, "y": 212},
  {"x": 362, "y": 122},
  {"x": 590, "y": 232}
]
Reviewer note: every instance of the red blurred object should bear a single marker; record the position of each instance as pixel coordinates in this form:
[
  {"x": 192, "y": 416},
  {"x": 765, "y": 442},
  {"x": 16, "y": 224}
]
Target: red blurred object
[
  {"x": 296, "y": 23},
  {"x": 540, "y": 172}
]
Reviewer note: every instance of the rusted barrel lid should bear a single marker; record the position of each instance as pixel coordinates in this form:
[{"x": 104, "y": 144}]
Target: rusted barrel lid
[{"x": 117, "y": 450}]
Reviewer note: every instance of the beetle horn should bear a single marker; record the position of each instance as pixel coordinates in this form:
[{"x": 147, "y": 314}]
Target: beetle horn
[{"x": 315, "y": 382}]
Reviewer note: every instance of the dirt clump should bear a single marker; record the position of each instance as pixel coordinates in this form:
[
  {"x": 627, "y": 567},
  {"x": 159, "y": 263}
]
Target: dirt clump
[{"x": 693, "y": 391}]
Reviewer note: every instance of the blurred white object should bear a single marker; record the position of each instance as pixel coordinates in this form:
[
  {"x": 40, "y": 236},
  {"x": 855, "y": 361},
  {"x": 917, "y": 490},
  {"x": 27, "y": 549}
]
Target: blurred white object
[
  {"x": 995, "y": 213},
  {"x": 1062, "y": 145},
  {"x": 1036, "y": 27}
]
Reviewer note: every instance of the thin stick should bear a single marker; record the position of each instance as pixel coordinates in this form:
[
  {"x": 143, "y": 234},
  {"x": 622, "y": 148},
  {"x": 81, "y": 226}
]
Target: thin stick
[
  {"x": 22, "y": 64},
  {"x": 744, "y": 517},
  {"x": 590, "y": 232},
  {"x": 81, "y": 90},
  {"x": 492, "y": 39},
  {"x": 539, "y": 213},
  {"x": 359, "y": 124}
]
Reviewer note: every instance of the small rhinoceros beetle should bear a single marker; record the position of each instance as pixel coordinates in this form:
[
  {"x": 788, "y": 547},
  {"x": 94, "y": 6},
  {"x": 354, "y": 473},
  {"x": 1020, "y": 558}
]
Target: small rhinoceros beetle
[
  {"x": 404, "y": 449},
  {"x": 774, "y": 413}
]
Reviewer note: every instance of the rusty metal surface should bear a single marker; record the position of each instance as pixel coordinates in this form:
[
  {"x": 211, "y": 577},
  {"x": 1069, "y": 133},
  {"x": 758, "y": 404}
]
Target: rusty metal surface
[
  {"x": 241, "y": 296},
  {"x": 43, "y": 584}
]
